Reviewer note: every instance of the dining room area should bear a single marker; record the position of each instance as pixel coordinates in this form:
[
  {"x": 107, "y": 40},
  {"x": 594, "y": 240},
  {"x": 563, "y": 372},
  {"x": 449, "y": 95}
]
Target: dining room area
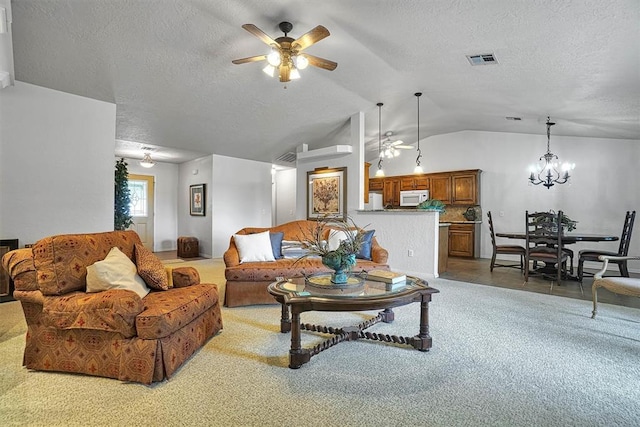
[{"x": 540, "y": 256}]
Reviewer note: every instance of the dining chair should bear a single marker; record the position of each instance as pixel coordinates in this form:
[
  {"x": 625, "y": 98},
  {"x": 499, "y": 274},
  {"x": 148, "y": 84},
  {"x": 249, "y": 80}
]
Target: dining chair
[
  {"x": 623, "y": 250},
  {"x": 544, "y": 244},
  {"x": 619, "y": 285},
  {"x": 504, "y": 249}
]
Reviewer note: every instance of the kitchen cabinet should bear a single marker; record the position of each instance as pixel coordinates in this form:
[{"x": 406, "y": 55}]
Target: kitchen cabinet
[
  {"x": 376, "y": 184},
  {"x": 465, "y": 187},
  {"x": 440, "y": 187},
  {"x": 420, "y": 182},
  {"x": 462, "y": 240},
  {"x": 391, "y": 192}
]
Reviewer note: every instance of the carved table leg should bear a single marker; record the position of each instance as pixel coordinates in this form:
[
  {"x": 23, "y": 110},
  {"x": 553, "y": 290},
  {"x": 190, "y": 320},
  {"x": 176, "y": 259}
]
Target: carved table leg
[
  {"x": 285, "y": 322},
  {"x": 423, "y": 340},
  {"x": 297, "y": 355}
]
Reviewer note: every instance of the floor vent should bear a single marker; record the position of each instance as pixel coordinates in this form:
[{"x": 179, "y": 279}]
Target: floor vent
[
  {"x": 482, "y": 59},
  {"x": 289, "y": 157}
]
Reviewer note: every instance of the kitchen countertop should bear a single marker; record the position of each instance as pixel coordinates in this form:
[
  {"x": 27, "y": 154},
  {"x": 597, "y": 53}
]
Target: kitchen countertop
[{"x": 418, "y": 211}]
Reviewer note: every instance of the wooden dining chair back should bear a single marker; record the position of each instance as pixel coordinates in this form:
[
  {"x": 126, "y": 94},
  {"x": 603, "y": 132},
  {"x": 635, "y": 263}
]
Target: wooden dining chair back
[
  {"x": 544, "y": 244},
  {"x": 619, "y": 285},
  {"x": 504, "y": 249},
  {"x": 623, "y": 250}
]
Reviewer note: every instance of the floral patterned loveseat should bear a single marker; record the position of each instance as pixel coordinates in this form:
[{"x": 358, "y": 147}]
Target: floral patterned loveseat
[
  {"x": 247, "y": 282},
  {"x": 112, "y": 333}
]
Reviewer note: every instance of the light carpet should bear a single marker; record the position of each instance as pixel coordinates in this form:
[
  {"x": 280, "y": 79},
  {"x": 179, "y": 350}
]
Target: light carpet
[{"x": 500, "y": 358}]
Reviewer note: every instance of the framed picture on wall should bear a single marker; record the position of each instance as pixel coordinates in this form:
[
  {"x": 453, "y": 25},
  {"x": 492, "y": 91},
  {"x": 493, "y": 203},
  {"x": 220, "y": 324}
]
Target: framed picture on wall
[
  {"x": 327, "y": 193},
  {"x": 196, "y": 200}
]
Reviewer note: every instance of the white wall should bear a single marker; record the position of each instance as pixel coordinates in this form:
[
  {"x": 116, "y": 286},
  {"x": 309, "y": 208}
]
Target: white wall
[
  {"x": 56, "y": 163},
  {"x": 241, "y": 196},
  {"x": 165, "y": 230},
  {"x": 199, "y": 171},
  {"x": 285, "y": 196},
  {"x": 605, "y": 182}
]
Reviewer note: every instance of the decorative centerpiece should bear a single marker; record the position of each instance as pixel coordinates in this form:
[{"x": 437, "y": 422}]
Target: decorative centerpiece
[
  {"x": 431, "y": 205},
  {"x": 337, "y": 247},
  {"x": 567, "y": 223}
]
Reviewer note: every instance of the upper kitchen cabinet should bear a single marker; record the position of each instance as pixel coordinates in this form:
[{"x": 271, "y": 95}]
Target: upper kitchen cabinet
[
  {"x": 440, "y": 187},
  {"x": 391, "y": 192},
  {"x": 465, "y": 187},
  {"x": 376, "y": 184},
  {"x": 418, "y": 182}
]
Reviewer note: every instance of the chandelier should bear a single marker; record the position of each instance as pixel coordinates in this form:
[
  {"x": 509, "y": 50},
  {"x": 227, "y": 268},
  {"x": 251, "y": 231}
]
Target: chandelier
[{"x": 546, "y": 172}]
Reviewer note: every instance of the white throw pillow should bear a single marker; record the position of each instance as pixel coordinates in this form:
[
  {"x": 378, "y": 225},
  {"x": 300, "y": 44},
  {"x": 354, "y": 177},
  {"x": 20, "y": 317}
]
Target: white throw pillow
[
  {"x": 336, "y": 236},
  {"x": 116, "y": 271},
  {"x": 254, "y": 247}
]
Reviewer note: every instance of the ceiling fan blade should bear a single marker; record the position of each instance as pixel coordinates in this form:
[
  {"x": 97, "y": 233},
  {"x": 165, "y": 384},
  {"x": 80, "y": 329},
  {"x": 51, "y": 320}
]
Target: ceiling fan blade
[
  {"x": 398, "y": 142},
  {"x": 311, "y": 37},
  {"x": 321, "y": 62},
  {"x": 404, "y": 147},
  {"x": 259, "y": 34},
  {"x": 249, "y": 59}
]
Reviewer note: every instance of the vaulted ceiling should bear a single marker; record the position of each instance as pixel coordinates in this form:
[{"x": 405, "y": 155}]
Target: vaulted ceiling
[{"x": 166, "y": 64}]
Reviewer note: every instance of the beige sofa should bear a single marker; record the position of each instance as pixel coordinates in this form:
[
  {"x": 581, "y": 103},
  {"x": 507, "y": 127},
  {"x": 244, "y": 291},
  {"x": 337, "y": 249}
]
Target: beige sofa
[
  {"x": 247, "y": 282},
  {"x": 113, "y": 333}
]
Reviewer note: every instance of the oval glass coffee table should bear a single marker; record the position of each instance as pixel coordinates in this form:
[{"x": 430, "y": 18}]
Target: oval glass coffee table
[{"x": 297, "y": 296}]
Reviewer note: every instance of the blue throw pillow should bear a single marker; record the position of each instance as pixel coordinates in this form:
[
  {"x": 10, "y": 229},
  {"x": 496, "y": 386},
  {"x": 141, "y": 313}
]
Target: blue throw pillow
[
  {"x": 365, "y": 250},
  {"x": 276, "y": 244}
]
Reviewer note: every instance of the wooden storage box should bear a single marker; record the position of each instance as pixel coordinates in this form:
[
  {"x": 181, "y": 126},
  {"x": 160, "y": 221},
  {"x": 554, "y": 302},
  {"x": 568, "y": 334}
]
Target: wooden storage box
[{"x": 188, "y": 247}]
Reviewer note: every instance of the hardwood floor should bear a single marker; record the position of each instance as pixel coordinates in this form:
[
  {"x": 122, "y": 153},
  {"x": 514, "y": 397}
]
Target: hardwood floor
[{"x": 477, "y": 271}]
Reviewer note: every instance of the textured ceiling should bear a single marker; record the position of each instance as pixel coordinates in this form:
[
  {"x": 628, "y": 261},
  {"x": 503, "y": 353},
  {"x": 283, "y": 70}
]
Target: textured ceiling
[{"x": 166, "y": 64}]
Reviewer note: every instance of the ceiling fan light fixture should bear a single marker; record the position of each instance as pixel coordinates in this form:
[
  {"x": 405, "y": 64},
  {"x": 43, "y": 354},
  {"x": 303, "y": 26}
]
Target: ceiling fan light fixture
[
  {"x": 294, "y": 74},
  {"x": 146, "y": 161},
  {"x": 301, "y": 62},
  {"x": 269, "y": 70},
  {"x": 274, "y": 57}
]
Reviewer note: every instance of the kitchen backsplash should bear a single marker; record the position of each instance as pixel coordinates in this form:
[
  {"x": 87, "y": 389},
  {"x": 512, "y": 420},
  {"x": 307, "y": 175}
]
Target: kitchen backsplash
[{"x": 456, "y": 213}]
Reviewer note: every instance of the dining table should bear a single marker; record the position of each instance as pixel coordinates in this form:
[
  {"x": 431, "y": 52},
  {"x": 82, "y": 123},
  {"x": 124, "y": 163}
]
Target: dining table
[{"x": 567, "y": 238}]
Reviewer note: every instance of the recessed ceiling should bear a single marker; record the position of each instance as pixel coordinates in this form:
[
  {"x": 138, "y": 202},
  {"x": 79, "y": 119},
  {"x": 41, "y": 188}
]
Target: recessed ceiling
[{"x": 167, "y": 67}]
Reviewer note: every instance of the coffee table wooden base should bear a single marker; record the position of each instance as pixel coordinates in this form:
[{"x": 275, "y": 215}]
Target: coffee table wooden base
[{"x": 298, "y": 356}]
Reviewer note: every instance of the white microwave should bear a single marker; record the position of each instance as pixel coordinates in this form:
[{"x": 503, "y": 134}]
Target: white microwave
[{"x": 413, "y": 197}]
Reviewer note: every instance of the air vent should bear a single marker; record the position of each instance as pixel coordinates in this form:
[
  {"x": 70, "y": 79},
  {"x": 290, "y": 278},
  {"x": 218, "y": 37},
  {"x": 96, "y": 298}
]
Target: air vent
[
  {"x": 289, "y": 157},
  {"x": 482, "y": 59}
]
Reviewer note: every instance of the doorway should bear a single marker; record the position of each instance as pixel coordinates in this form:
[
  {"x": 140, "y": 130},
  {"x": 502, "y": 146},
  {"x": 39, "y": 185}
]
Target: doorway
[{"x": 142, "y": 190}]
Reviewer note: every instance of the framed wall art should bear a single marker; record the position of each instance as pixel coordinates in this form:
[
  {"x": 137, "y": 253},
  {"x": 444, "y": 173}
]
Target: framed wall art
[
  {"x": 327, "y": 193},
  {"x": 197, "y": 200}
]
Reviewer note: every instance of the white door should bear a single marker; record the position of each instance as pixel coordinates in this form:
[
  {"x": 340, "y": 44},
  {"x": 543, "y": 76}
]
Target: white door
[{"x": 141, "y": 188}]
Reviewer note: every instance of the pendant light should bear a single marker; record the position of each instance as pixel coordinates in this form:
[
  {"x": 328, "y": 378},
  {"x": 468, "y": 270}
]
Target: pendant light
[
  {"x": 380, "y": 172},
  {"x": 418, "y": 168}
]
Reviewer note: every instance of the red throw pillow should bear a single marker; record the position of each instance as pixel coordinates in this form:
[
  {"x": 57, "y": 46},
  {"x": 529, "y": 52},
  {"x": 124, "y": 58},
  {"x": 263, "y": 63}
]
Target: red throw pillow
[{"x": 150, "y": 268}]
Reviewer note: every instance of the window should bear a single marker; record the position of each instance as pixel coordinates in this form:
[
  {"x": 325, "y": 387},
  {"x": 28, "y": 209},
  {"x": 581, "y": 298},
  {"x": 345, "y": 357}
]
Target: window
[{"x": 138, "y": 191}]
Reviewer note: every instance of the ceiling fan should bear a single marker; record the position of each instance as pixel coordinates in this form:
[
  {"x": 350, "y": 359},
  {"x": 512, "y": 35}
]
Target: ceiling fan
[
  {"x": 286, "y": 53},
  {"x": 390, "y": 147}
]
